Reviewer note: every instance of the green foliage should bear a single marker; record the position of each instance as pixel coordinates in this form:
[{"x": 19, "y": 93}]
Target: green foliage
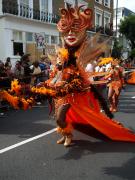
[
  {"x": 90, "y": 4},
  {"x": 127, "y": 28},
  {"x": 117, "y": 50},
  {"x": 132, "y": 54}
]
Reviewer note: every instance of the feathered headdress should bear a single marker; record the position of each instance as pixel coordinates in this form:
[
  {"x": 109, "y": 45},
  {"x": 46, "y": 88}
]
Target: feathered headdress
[{"x": 106, "y": 60}]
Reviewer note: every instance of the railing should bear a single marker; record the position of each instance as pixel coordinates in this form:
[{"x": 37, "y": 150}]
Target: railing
[
  {"x": 103, "y": 30},
  {"x": 27, "y": 12}
]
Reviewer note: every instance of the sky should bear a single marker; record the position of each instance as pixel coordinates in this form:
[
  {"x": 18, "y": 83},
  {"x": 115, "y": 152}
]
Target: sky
[{"x": 130, "y": 4}]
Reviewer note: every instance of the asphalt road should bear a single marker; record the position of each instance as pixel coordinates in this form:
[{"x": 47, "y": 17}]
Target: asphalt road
[{"x": 90, "y": 157}]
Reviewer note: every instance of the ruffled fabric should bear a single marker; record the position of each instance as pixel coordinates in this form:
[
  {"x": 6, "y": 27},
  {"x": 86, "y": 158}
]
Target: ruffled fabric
[
  {"x": 131, "y": 80},
  {"x": 85, "y": 110}
]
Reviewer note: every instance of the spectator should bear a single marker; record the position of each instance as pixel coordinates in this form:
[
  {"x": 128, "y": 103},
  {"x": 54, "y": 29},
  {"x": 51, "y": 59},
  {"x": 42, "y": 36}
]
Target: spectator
[
  {"x": 5, "y": 83},
  {"x": 89, "y": 67},
  {"x": 5, "y": 80},
  {"x": 8, "y": 64},
  {"x": 2, "y": 69},
  {"x": 36, "y": 73},
  {"x": 45, "y": 67},
  {"x": 25, "y": 62},
  {"x": 18, "y": 70}
]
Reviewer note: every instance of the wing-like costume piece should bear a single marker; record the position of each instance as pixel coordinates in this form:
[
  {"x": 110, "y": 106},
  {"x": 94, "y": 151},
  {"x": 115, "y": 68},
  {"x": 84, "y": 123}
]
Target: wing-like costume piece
[
  {"x": 82, "y": 112},
  {"x": 91, "y": 49}
]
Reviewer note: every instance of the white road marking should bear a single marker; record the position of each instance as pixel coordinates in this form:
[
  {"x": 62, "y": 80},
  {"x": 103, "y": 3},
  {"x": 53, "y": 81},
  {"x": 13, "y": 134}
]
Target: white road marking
[
  {"x": 26, "y": 141},
  {"x": 133, "y": 97}
]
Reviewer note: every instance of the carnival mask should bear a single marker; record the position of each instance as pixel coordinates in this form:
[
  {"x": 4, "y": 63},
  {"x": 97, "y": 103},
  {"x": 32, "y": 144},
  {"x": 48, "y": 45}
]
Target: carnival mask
[{"x": 73, "y": 24}]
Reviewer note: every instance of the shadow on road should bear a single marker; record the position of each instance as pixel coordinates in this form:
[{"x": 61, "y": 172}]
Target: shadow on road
[
  {"x": 25, "y": 124},
  {"x": 81, "y": 148},
  {"x": 126, "y": 171}
]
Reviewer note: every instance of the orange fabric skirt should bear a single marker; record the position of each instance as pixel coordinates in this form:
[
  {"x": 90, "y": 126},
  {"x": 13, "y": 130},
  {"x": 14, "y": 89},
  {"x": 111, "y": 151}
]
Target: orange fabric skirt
[
  {"x": 85, "y": 109},
  {"x": 131, "y": 80}
]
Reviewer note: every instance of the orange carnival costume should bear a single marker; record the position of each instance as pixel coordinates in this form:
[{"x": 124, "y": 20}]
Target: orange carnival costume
[
  {"x": 115, "y": 84},
  {"x": 131, "y": 79},
  {"x": 75, "y": 98}
]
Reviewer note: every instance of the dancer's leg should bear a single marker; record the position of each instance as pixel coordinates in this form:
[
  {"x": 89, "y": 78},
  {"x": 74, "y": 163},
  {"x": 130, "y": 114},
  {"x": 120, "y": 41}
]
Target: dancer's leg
[{"x": 64, "y": 128}]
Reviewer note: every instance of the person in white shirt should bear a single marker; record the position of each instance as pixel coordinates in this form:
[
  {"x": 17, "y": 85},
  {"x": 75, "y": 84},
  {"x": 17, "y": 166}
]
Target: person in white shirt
[
  {"x": 89, "y": 68},
  {"x": 36, "y": 73}
]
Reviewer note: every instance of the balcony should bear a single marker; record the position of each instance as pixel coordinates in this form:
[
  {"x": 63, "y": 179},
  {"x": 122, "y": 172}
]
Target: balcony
[
  {"x": 103, "y": 30},
  {"x": 27, "y": 12}
]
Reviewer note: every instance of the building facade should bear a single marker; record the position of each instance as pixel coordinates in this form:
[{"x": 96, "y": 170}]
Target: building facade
[
  {"x": 102, "y": 16},
  {"x": 26, "y": 25},
  {"x": 122, "y": 12}
]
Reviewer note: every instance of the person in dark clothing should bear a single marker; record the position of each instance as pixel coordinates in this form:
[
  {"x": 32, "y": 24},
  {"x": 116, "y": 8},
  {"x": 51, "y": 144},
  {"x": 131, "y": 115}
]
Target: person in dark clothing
[
  {"x": 25, "y": 62},
  {"x": 5, "y": 81},
  {"x": 8, "y": 63}
]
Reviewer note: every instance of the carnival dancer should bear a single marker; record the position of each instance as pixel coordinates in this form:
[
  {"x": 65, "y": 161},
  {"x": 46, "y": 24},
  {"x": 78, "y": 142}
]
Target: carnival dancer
[
  {"x": 116, "y": 81},
  {"x": 76, "y": 99}
]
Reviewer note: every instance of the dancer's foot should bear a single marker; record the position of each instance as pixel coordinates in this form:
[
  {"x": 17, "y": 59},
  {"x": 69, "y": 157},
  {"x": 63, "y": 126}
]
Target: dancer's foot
[
  {"x": 114, "y": 110},
  {"x": 111, "y": 108},
  {"x": 68, "y": 140},
  {"x": 62, "y": 140}
]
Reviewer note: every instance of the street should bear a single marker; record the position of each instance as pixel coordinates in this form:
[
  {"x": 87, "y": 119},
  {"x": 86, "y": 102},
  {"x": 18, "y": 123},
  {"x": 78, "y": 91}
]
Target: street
[{"x": 90, "y": 157}]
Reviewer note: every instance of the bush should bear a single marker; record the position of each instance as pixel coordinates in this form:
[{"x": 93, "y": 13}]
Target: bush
[{"x": 132, "y": 54}]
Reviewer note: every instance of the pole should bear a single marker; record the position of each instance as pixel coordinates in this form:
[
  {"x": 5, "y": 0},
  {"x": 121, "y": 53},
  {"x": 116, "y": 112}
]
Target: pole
[
  {"x": 76, "y": 3},
  {"x": 116, "y": 17}
]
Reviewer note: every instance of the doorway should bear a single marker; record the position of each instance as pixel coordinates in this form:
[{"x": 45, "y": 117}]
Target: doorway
[{"x": 18, "y": 48}]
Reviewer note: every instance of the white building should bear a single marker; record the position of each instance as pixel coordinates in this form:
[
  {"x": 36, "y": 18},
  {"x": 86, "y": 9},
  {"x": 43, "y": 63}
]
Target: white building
[{"x": 23, "y": 20}]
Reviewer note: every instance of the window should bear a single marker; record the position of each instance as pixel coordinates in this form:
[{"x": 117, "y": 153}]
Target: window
[
  {"x": 73, "y": 2},
  {"x": 98, "y": 19},
  {"x": 24, "y": 3},
  {"x": 107, "y": 3},
  {"x": 106, "y": 21},
  {"x": 98, "y": 16},
  {"x": 53, "y": 39},
  {"x": 68, "y": 5},
  {"x": 119, "y": 13},
  {"x": 69, "y": 2},
  {"x": 26, "y": 9},
  {"x": 29, "y": 36},
  {"x": 44, "y": 5},
  {"x": 46, "y": 38},
  {"x": 107, "y": 17},
  {"x": 17, "y": 36},
  {"x": 99, "y": 1}
]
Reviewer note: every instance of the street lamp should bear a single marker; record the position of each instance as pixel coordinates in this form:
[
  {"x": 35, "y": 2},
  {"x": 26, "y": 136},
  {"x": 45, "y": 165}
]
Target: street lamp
[
  {"x": 76, "y": 3},
  {"x": 116, "y": 17}
]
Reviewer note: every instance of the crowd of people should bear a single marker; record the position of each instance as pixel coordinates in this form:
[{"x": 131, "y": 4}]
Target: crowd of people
[
  {"x": 39, "y": 71},
  {"x": 25, "y": 71}
]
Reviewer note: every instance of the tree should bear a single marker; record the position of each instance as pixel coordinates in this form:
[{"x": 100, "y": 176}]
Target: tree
[
  {"x": 132, "y": 54},
  {"x": 127, "y": 28},
  {"x": 117, "y": 50}
]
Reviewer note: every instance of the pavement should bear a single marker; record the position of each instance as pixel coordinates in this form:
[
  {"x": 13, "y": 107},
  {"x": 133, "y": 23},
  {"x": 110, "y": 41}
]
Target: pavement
[{"x": 28, "y": 149}]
